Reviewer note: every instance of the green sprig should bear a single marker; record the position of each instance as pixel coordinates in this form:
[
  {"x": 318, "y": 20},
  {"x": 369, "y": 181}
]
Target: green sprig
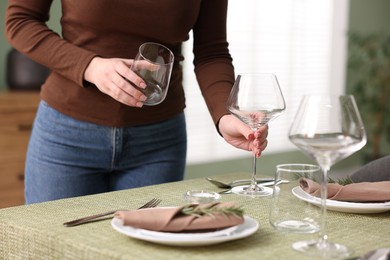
[
  {"x": 212, "y": 211},
  {"x": 342, "y": 181}
]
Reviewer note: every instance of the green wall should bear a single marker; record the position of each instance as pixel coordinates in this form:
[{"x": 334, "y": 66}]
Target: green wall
[{"x": 369, "y": 16}]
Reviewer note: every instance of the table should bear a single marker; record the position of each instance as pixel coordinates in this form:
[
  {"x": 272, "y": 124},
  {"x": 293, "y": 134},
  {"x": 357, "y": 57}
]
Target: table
[{"x": 36, "y": 231}]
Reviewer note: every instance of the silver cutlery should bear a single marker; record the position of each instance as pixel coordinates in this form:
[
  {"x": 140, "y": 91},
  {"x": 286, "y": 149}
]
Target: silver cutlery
[
  {"x": 230, "y": 185},
  {"x": 269, "y": 183},
  {"x": 150, "y": 204}
]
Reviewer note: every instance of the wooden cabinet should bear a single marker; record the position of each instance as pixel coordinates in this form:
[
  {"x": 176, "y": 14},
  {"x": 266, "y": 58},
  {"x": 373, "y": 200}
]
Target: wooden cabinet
[{"x": 17, "y": 113}]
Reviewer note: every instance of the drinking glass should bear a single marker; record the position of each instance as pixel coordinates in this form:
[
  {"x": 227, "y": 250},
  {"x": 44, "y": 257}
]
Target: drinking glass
[
  {"x": 286, "y": 213},
  {"x": 153, "y": 64},
  {"x": 255, "y": 99},
  {"x": 328, "y": 129}
]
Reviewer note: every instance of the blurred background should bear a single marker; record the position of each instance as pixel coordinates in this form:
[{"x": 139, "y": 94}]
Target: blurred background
[{"x": 329, "y": 46}]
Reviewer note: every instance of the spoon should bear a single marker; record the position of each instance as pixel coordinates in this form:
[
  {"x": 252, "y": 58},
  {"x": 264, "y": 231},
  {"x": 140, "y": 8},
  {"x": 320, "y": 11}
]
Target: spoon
[
  {"x": 268, "y": 183},
  {"x": 235, "y": 183}
]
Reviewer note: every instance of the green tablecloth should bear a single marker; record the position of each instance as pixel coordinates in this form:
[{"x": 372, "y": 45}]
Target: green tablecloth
[{"x": 36, "y": 231}]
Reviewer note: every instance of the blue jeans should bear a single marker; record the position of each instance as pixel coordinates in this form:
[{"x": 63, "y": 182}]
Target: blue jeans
[{"x": 68, "y": 158}]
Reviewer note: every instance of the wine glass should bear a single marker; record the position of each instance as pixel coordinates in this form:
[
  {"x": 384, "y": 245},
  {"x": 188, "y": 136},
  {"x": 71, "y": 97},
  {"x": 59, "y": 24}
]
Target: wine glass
[
  {"x": 154, "y": 63},
  {"x": 328, "y": 129},
  {"x": 255, "y": 99}
]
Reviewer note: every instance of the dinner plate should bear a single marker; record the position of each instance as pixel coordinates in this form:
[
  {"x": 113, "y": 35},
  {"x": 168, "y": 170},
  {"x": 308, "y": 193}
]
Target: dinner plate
[
  {"x": 189, "y": 235},
  {"x": 343, "y": 206},
  {"x": 245, "y": 229}
]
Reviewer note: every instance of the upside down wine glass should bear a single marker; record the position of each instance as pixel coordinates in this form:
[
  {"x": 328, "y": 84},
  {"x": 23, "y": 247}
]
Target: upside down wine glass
[
  {"x": 255, "y": 99},
  {"x": 328, "y": 129}
]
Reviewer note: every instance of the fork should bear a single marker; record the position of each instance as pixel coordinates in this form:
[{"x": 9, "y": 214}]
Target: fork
[
  {"x": 150, "y": 204},
  {"x": 230, "y": 185}
]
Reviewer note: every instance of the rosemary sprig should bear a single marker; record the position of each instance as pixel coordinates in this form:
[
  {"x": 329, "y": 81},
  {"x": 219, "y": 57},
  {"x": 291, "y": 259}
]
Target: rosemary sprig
[
  {"x": 342, "y": 181},
  {"x": 212, "y": 211}
]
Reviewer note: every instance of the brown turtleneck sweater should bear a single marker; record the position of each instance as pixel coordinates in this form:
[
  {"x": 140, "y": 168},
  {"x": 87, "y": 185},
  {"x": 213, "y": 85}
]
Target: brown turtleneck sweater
[{"x": 116, "y": 28}]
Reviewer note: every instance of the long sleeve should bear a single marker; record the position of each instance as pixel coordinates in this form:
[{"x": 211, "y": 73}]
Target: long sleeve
[
  {"x": 115, "y": 29},
  {"x": 212, "y": 60}
]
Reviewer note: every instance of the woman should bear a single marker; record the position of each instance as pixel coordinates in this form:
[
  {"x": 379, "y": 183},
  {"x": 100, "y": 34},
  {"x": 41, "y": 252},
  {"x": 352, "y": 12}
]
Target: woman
[{"x": 92, "y": 133}]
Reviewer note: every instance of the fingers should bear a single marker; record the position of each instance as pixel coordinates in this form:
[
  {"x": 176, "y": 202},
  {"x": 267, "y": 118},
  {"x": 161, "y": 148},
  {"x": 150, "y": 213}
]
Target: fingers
[
  {"x": 145, "y": 65},
  {"x": 122, "y": 91},
  {"x": 260, "y": 141},
  {"x": 140, "y": 64},
  {"x": 128, "y": 62},
  {"x": 114, "y": 78},
  {"x": 241, "y": 136},
  {"x": 128, "y": 74},
  {"x": 262, "y": 132},
  {"x": 259, "y": 148}
]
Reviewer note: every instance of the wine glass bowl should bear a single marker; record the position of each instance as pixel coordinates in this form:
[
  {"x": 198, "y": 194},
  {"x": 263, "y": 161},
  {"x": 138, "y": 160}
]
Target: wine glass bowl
[
  {"x": 327, "y": 128},
  {"x": 255, "y": 99}
]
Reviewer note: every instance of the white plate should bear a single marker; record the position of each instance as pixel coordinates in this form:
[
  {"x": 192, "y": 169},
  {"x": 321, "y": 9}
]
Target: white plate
[
  {"x": 189, "y": 235},
  {"x": 343, "y": 206},
  {"x": 246, "y": 229}
]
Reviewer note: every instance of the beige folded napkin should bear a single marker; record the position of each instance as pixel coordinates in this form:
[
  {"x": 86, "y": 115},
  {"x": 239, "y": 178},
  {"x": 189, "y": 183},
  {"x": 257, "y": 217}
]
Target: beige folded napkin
[
  {"x": 173, "y": 220},
  {"x": 362, "y": 191}
]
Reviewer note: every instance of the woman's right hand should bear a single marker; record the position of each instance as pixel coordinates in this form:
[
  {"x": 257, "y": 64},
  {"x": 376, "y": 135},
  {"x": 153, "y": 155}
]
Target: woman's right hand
[
  {"x": 112, "y": 76},
  {"x": 241, "y": 136}
]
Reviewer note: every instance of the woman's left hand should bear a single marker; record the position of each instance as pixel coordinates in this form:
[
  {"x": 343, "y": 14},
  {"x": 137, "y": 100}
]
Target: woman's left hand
[{"x": 241, "y": 136}]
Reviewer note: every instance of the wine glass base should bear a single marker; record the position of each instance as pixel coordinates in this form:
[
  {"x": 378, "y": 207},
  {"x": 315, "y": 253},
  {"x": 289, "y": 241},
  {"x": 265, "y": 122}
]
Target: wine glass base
[
  {"x": 322, "y": 249},
  {"x": 245, "y": 191},
  {"x": 296, "y": 226}
]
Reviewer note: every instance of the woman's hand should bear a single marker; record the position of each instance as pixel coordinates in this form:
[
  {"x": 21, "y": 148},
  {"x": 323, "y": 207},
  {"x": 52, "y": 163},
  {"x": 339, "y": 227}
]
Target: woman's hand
[
  {"x": 112, "y": 76},
  {"x": 241, "y": 136}
]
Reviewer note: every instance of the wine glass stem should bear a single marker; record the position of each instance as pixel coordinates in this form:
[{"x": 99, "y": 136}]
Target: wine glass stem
[
  {"x": 253, "y": 181},
  {"x": 253, "y": 186},
  {"x": 324, "y": 195}
]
